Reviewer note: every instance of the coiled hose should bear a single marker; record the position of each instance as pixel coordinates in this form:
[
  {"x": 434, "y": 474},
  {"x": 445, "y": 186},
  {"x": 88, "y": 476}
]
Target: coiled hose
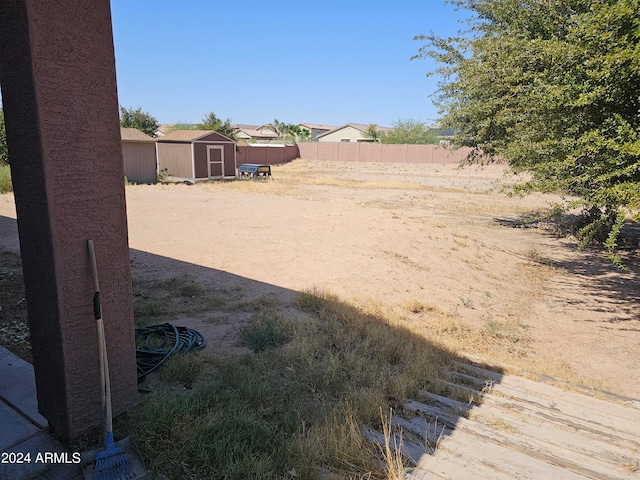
[{"x": 157, "y": 343}]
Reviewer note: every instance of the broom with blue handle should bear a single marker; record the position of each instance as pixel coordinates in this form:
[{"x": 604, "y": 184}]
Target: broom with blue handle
[{"x": 111, "y": 463}]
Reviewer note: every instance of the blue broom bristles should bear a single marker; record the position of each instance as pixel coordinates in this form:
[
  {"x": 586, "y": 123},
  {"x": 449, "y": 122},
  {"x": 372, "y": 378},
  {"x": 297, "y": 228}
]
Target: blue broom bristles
[{"x": 112, "y": 463}]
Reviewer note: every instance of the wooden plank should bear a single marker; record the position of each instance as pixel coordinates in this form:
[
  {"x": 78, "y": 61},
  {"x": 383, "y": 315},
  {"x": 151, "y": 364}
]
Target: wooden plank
[
  {"x": 585, "y": 465},
  {"x": 593, "y": 440},
  {"x": 522, "y": 429},
  {"x": 622, "y": 417},
  {"x": 555, "y": 383},
  {"x": 464, "y": 455}
]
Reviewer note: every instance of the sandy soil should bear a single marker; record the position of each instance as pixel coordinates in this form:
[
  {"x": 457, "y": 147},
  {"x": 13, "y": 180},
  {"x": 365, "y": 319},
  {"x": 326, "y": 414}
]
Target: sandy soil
[{"x": 393, "y": 237}]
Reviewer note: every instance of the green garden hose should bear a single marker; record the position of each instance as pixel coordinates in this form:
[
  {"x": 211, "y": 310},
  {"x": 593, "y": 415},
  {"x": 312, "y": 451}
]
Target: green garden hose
[{"x": 155, "y": 344}]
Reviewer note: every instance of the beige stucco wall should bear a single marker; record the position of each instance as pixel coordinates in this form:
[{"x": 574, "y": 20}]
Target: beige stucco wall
[{"x": 353, "y": 134}]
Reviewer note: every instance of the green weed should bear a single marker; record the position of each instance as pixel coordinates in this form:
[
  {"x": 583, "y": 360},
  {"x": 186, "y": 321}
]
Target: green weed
[
  {"x": 268, "y": 329},
  {"x": 183, "y": 368},
  {"x": 5, "y": 179}
]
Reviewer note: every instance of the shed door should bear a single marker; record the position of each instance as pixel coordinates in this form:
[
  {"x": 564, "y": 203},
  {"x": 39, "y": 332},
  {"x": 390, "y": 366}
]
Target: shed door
[{"x": 215, "y": 160}]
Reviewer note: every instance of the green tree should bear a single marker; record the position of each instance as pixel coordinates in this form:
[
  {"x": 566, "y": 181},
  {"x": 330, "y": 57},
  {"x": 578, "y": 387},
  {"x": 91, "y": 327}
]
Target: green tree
[
  {"x": 212, "y": 122},
  {"x": 288, "y": 132},
  {"x": 181, "y": 126},
  {"x": 296, "y": 134},
  {"x": 373, "y": 133},
  {"x": 278, "y": 127},
  {"x": 410, "y": 131},
  {"x": 143, "y": 121},
  {"x": 554, "y": 89},
  {"x": 4, "y": 153}
]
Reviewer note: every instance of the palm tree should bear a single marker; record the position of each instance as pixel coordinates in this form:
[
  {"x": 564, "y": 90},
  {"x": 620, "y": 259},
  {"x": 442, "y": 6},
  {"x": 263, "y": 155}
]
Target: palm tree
[{"x": 278, "y": 127}]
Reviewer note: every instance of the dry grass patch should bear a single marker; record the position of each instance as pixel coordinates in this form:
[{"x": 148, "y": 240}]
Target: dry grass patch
[
  {"x": 299, "y": 404},
  {"x": 405, "y": 260},
  {"x": 395, "y": 463},
  {"x": 287, "y": 178},
  {"x": 415, "y": 306},
  {"x": 154, "y": 300},
  {"x": 507, "y": 340},
  {"x": 364, "y": 185}
]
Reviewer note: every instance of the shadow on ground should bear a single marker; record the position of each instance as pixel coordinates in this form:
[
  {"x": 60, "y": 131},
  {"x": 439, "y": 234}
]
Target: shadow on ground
[
  {"x": 219, "y": 305},
  {"x": 603, "y": 288},
  {"x": 475, "y": 420}
]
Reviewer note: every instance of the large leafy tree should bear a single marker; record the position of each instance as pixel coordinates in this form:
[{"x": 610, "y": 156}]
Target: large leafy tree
[
  {"x": 553, "y": 87},
  {"x": 4, "y": 153},
  {"x": 212, "y": 122},
  {"x": 136, "y": 118},
  {"x": 410, "y": 131}
]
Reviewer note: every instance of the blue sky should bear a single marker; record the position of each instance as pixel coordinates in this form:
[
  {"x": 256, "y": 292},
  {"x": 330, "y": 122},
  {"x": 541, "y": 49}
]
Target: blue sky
[{"x": 329, "y": 62}]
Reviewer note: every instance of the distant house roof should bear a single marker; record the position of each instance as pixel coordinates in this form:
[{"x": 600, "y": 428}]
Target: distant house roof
[
  {"x": 266, "y": 126},
  {"x": 358, "y": 126},
  {"x": 254, "y": 131},
  {"x": 448, "y": 132},
  {"x": 245, "y": 126},
  {"x": 188, "y": 135},
  {"x": 317, "y": 126},
  {"x": 362, "y": 127},
  {"x": 134, "y": 135},
  {"x": 163, "y": 128}
]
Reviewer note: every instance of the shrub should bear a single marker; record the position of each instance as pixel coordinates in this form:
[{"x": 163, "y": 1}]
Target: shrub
[{"x": 5, "y": 179}]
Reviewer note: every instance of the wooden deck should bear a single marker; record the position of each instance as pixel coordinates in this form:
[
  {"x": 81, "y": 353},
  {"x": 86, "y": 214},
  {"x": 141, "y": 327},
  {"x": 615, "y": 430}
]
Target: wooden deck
[{"x": 516, "y": 428}]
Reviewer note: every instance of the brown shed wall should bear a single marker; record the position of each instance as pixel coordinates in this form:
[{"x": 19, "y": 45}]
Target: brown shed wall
[
  {"x": 230, "y": 160},
  {"x": 201, "y": 160}
]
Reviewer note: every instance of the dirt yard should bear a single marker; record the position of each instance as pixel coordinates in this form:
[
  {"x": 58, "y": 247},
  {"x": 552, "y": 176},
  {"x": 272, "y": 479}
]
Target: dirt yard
[{"x": 433, "y": 247}]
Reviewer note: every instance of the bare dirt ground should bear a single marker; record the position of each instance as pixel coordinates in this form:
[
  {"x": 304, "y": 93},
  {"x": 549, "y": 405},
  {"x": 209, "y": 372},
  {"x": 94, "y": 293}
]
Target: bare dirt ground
[{"x": 433, "y": 247}]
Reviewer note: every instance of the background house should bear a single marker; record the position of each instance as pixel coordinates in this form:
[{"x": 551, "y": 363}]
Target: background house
[
  {"x": 196, "y": 155},
  {"x": 254, "y": 134},
  {"x": 445, "y": 136},
  {"x": 138, "y": 156},
  {"x": 351, "y": 132},
  {"x": 316, "y": 129}
]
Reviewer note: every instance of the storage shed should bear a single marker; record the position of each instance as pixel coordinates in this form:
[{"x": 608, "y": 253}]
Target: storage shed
[
  {"x": 139, "y": 156},
  {"x": 196, "y": 155}
]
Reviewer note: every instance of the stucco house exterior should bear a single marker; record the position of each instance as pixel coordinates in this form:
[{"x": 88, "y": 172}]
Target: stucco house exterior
[
  {"x": 316, "y": 129},
  {"x": 254, "y": 133},
  {"x": 350, "y": 132}
]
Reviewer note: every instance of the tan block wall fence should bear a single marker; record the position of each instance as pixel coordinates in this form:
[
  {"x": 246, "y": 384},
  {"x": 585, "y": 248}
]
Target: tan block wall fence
[
  {"x": 266, "y": 154},
  {"x": 350, "y": 152},
  {"x": 377, "y": 152}
]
